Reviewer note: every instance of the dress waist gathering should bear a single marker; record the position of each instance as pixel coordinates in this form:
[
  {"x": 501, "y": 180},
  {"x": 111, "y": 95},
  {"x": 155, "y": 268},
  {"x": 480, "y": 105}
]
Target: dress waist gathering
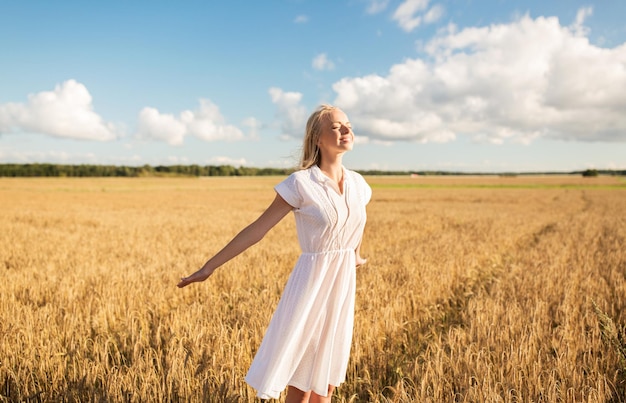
[{"x": 329, "y": 251}]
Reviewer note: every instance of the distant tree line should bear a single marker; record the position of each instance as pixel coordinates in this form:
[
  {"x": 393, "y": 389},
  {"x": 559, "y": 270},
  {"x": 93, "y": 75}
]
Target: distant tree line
[
  {"x": 585, "y": 173},
  {"x": 86, "y": 170}
]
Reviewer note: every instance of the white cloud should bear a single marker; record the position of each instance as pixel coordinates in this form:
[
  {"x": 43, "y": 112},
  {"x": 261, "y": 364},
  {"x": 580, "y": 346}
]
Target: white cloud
[
  {"x": 65, "y": 112},
  {"x": 221, "y": 160},
  {"x": 25, "y": 157},
  {"x": 156, "y": 126},
  {"x": 578, "y": 26},
  {"x": 410, "y": 14},
  {"x": 321, "y": 62},
  {"x": 253, "y": 125},
  {"x": 301, "y": 19},
  {"x": 510, "y": 82},
  {"x": 405, "y": 14},
  {"x": 290, "y": 113},
  {"x": 284, "y": 163},
  {"x": 206, "y": 123},
  {"x": 12, "y": 155},
  {"x": 176, "y": 160},
  {"x": 434, "y": 14},
  {"x": 376, "y": 6}
]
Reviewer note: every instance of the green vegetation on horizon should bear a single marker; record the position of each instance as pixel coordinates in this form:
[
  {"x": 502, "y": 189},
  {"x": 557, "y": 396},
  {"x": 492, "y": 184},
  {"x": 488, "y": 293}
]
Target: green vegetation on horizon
[{"x": 89, "y": 170}]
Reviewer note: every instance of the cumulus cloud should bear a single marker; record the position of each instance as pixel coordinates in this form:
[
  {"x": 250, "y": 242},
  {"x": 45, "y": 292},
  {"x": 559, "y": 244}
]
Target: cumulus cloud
[
  {"x": 206, "y": 123},
  {"x": 509, "y": 82},
  {"x": 410, "y": 14},
  {"x": 157, "y": 126},
  {"x": 321, "y": 62},
  {"x": 290, "y": 113},
  {"x": 66, "y": 112}
]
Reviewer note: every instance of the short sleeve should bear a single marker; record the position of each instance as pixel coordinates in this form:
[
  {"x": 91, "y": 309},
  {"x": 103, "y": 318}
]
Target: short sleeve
[
  {"x": 367, "y": 192},
  {"x": 364, "y": 190},
  {"x": 288, "y": 190}
]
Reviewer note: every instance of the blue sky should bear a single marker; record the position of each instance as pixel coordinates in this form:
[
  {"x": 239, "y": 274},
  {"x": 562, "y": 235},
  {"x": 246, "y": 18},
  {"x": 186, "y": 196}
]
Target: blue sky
[{"x": 453, "y": 85}]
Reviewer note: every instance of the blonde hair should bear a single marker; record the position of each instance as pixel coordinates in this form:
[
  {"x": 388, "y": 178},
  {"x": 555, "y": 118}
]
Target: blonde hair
[{"x": 310, "y": 150}]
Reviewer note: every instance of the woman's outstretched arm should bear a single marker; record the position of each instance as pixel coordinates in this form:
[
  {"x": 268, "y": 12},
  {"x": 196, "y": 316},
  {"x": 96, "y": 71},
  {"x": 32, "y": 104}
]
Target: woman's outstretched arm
[{"x": 250, "y": 235}]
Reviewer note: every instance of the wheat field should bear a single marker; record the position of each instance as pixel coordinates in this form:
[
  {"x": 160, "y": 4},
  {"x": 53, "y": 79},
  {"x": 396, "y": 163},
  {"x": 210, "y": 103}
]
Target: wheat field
[{"x": 477, "y": 289}]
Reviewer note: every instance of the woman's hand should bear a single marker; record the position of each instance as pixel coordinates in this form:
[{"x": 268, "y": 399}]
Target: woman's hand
[
  {"x": 184, "y": 281},
  {"x": 198, "y": 276},
  {"x": 359, "y": 260}
]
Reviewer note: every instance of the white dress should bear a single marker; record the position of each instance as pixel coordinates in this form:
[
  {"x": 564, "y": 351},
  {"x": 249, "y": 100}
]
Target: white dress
[{"x": 307, "y": 343}]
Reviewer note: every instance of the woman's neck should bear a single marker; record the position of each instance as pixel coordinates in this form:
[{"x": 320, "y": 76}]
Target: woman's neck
[{"x": 333, "y": 169}]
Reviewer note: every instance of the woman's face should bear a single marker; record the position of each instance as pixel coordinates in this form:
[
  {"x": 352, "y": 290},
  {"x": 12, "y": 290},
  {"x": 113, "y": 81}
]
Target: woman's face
[{"x": 336, "y": 135}]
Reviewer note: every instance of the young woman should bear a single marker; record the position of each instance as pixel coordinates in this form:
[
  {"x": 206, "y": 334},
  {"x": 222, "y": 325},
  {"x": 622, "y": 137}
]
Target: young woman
[{"x": 307, "y": 344}]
